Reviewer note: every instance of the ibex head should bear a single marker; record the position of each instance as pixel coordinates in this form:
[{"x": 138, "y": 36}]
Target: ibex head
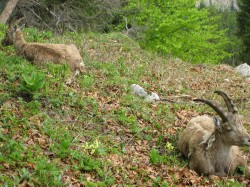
[
  {"x": 8, "y": 38},
  {"x": 10, "y": 33},
  {"x": 230, "y": 128}
]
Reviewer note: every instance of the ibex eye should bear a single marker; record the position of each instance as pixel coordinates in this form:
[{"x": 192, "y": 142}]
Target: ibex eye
[{"x": 229, "y": 129}]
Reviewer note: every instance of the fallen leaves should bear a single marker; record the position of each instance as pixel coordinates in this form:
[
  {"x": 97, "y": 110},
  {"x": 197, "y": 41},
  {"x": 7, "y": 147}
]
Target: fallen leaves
[{"x": 87, "y": 114}]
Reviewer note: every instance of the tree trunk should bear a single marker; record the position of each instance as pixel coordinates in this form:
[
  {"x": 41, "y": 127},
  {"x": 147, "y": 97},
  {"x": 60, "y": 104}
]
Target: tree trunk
[{"x": 10, "y": 6}]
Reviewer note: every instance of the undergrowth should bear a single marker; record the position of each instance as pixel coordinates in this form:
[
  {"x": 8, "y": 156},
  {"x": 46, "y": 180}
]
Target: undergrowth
[{"x": 95, "y": 131}]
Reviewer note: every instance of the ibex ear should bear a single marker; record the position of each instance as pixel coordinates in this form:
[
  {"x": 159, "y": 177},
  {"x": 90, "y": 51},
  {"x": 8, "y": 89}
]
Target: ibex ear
[
  {"x": 22, "y": 26},
  {"x": 217, "y": 123}
]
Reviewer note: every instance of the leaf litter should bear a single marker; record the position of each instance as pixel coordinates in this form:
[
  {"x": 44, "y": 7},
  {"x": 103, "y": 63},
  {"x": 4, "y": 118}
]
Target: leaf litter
[{"x": 130, "y": 163}]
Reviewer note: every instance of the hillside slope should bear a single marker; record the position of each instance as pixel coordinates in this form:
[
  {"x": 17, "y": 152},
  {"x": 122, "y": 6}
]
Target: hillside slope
[{"x": 96, "y": 132}]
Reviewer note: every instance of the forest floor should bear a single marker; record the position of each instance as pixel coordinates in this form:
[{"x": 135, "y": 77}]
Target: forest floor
[{"x": 95, "y": 131}]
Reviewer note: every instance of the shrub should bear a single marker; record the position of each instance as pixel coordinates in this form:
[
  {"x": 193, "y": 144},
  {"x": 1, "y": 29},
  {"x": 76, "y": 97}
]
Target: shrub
[{"x": 177, "y": 28}]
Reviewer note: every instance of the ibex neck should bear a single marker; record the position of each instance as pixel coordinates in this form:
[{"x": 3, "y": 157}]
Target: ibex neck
[
  {"x": 215, "y": 141},
  {"x": 19, "y": 39},
  {"x": 220, "y": 142}
]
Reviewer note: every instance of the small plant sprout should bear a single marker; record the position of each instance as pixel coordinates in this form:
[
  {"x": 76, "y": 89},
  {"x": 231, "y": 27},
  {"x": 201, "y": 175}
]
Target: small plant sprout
[
  {"x": 91, "y": 147},
  {"x": 155, "y": 157},
  {"x": 169, "y": 146}
]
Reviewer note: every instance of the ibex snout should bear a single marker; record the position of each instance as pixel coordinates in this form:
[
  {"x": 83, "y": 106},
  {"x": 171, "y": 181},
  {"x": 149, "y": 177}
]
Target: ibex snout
[
  {"x": 4, "y": 43},
  {"x": 246, "y": 140},
  {"x": 7, "y": 40}
]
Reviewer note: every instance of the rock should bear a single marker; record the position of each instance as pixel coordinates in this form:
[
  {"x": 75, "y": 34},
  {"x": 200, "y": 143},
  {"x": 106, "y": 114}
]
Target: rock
[
  {"x": 243, "y": 69},
  {"x": 138, "y": 90},
  {"x": 152, "y": 97}
]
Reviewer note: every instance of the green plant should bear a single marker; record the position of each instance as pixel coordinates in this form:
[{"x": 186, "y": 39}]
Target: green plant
[
  {"x": 169, "y": 146},
  {"x": 91, "y": 147},
  {"x": 25, "y": 174},
  {"x": 31, "y": 84},
  {"x": 33, "y": 35},
  {"x": 12, "y": 151},
  {"x": 47, "y": 172},
  {"x": 62, "y": 148},
  {"x": 125, "y": 119},
  {"x": 33, "y": 106},
  {"x": 58, "y": 71},
  {"x": 87, "y": 163},
  {"x": 155, "y": 157},
  {"x": 87, "y": 81}
]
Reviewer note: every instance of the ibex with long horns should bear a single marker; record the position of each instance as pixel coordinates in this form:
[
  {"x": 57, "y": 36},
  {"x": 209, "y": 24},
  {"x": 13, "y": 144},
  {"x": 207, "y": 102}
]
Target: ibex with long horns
[
  {"x": 211, "y": 145},
  {"x": 40, "y": 53}
]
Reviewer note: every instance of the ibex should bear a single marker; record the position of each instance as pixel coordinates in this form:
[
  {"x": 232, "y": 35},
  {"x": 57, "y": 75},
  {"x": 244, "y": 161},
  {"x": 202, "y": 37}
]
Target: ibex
[
  {"x": 40, "y": 53},
  {"x": 211, "y": 145}
]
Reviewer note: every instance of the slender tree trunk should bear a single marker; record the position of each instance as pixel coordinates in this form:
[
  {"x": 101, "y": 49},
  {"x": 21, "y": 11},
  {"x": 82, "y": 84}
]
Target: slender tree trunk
[{"x": 10, "y": 6}]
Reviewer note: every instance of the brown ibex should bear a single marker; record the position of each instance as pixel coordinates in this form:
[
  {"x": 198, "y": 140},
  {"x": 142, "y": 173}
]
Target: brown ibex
[
  {"x": 40, "y": 53},
  {"x": 211, "y": 145}
]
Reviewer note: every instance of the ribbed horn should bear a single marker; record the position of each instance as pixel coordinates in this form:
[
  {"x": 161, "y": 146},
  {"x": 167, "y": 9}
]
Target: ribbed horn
[
  {"x": 214, "y": 107},
  {"x": 13, "y": 22},
  {"x": 230, "y": 105}
]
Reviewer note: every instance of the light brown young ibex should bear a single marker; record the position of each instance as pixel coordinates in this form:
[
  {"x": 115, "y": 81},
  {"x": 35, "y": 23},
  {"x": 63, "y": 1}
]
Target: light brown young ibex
[
  {"x": 211, "y": 145},
  {"x": 40, "y": 53}
]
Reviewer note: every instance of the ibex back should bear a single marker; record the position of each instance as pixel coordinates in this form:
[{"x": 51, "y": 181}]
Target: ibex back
[
  {"x": 39, "y": 53},
  {"x": 211, "y": 145}
]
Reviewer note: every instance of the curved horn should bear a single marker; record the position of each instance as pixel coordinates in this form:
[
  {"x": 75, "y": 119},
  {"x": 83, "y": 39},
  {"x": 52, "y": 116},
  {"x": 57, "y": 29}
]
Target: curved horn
[
  {"x": 19, "y": 20},
  {"x": 13, "y": 22},
  {"x": 230, "y": 105},
  {"x": 214, "y": 107}
]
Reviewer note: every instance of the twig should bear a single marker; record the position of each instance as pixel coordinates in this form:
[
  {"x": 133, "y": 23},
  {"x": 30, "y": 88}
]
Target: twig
[
  {"x": 168, "y": 100},
  {"x": 134, "y": 136},
  {"x": 79, "y": 133},
  {"x": 40, "y": 18},
  {"x": 182, "y": 96},
  {"x": 126, "y": 25}
]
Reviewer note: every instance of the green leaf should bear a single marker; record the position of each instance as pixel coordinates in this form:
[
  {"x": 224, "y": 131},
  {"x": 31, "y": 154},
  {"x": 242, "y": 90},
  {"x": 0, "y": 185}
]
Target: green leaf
[{"x": 33, "y": 83}]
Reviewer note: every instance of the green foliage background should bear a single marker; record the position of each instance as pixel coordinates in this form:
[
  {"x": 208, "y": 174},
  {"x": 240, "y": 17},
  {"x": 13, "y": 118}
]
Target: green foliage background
[
  {"x": 244, "y": 28},
  {"x": 177, "y": 28}
]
